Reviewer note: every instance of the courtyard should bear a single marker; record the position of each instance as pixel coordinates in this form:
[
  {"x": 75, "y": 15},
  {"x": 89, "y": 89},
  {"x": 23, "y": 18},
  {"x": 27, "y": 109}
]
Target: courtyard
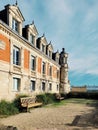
[{"x": 69, "y": 114}]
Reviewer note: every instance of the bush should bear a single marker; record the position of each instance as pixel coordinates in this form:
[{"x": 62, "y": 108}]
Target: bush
[
  {"x": 86, "y": 95},
  {"x": 17, "y": 103},
  {"x": 7, "y": 108},
  {"x": 46, "y": 98}
]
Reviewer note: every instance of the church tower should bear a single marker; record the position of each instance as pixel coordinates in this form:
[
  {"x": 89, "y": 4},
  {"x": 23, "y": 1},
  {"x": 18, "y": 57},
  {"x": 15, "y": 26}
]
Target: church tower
[{"x": 64, "y": 82}]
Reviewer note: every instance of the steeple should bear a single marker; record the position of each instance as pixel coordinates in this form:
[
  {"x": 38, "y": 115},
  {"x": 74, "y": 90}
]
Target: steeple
[
  {"x": 16, "y": 3},
  {"x": 43, "y": 35}
]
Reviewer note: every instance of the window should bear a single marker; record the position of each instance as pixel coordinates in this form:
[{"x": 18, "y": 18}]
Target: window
[
  {"x": 43, "y": 67},
  {"x": 49, "y": 53},
  {"x": 57, "y": 60},
  {"x": 31, "y": 39},
  {"x": 32, "y": 62},
  {"x": 16, "y": 84},
  {"x": 15, "y": 25},
  {"x": 57, "y": 87},
  {"x": 43, "y": 48},
  {"x": 43, "y": 86},
  {"x": 57, "y": 74},
  {"x": 16, "y": 56},
  {"x": 50, "y": 86},
  {"x": 50, "y": 70},
  {"x": 32, "y": 85}
]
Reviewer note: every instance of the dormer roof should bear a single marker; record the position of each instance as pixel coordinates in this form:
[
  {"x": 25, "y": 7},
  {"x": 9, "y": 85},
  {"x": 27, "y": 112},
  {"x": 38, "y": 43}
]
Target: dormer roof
[
  {"x": 50, "y": 46},
  {"x": 15, "y": 9},
  {"x": 43, "y": 39},
  {"x": 33, "y": 28}
]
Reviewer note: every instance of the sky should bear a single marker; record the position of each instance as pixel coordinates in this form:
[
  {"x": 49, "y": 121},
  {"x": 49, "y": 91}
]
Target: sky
[{"x": 69, "y": 24}]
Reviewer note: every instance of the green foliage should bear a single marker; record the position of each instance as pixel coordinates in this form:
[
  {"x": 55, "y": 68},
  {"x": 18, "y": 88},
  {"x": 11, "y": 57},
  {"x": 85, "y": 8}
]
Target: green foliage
[
  {"x": 7, "y": 108},
  {"x": 17, "y": 103},
  {"x": 46, "y": 98},
  {"x": 86, "y": 95}
]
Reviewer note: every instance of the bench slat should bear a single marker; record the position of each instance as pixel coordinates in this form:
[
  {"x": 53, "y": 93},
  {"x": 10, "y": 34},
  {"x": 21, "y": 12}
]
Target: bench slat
[{"x": 29, "y": 102}]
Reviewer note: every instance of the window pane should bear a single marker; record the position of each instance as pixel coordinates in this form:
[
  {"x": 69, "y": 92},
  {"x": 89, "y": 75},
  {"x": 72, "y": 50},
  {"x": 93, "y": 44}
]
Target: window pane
[
  {"x": 15, "y": 25},
  {"x": 43, "y": 48},
  {"x": 49, "y": 53},
  {"x": 16, "y": 55},
  {"x": 43, "y": 86},
  {"x": 31, "y": 39},
  {"x": 43, "y": 67},
  {"x": 50, "y": 86},
  {"x": 32, "y": 85},
  {"x": 32, "y": 62},
  {"x": 50, "y": 70},
  {"x": 16, "y": 84},
  {"x": 57, "y": 87}
]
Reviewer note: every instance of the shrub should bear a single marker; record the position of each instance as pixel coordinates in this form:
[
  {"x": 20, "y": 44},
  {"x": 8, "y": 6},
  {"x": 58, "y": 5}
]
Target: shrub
[
  {"x": 17, "y": 103},
  {"x": 7, "y": 108},
  {"x": 46, "y": 98}
]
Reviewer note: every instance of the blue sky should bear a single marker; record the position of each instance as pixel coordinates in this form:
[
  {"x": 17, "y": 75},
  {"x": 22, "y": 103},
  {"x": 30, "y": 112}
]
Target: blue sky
[{"x": 72, "y": 24}]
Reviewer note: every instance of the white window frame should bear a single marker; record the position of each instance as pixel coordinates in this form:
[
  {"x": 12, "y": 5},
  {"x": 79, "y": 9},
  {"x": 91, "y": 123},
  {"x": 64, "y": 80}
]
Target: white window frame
[
  {"x": 16, "y": 55},
  {"x": 32, "y": 37},
  {"x": 16, "y": 84},
  {"x": 15, "y": 25},
  {"x": 33, "y": 63},
  {"x": 43, "y": 48},
  {"x": 49, "y": 53}
]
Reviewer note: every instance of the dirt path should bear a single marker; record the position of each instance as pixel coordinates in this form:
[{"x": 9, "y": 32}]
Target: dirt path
[{"x": 68, "y": 117}]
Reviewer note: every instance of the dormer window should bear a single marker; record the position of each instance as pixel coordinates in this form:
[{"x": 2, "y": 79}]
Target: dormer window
[
  {"x": 31, "y": 39},
  {"x": 43, "y": 48},
  {"x": 15, "y": 25},
  {"x": 49, "y": 53}
]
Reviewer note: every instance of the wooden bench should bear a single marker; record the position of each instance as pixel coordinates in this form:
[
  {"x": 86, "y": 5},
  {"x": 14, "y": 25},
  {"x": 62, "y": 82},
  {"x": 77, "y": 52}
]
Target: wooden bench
[
  {"x": 59, "y": 97},
  {"x": 28, "y": 102}
]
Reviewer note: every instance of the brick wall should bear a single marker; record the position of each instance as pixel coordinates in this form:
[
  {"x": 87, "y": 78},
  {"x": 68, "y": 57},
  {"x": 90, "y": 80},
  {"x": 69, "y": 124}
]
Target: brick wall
[
  {"x": 26, "y": 58},
  {"x": 4, "y": 48}
]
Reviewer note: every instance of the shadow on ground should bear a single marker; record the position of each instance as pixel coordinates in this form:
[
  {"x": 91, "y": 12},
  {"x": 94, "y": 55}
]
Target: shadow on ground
[{"x": 88, "y": 119}]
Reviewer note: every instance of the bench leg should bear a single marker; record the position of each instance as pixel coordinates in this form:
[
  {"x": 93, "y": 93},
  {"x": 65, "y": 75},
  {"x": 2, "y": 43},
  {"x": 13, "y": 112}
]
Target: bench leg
[{"x": 28, "y": 109}]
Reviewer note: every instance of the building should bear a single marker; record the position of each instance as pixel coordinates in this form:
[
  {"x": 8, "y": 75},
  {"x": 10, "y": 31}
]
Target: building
[
  {"x": 78, "y": 89},
  {"x": 28, "y": 64}
]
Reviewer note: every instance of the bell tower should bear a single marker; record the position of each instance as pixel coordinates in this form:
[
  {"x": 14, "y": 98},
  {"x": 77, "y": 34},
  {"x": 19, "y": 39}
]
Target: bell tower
[{"x": 64, "y": 82}]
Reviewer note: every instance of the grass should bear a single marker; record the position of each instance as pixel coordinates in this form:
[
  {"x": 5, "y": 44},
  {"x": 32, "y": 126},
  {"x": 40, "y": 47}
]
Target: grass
[{"x": 75, "y": 101}]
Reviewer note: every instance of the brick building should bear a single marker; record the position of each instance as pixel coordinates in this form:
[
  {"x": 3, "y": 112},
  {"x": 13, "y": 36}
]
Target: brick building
[{"x": 28, "y": 64}]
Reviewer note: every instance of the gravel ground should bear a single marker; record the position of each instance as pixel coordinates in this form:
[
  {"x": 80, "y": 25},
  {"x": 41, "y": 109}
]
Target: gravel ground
[{"x": 68, "y": 117}]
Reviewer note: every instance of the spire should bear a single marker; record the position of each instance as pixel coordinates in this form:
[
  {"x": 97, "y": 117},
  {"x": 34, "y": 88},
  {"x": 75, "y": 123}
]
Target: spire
[
  {"x": 63, "y": 50},
  {"x": 43, "y": 35},
  {"x": 16, "y": 3}
]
